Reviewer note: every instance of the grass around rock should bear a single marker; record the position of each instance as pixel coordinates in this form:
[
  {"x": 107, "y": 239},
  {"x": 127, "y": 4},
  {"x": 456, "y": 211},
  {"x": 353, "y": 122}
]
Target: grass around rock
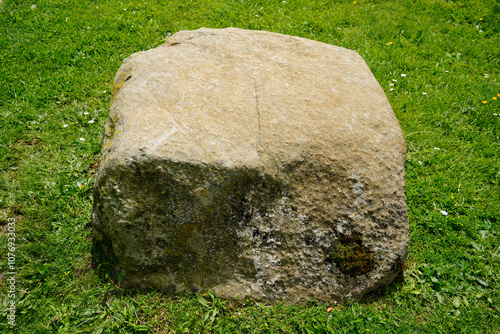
[{"x": 438, "y": 62}]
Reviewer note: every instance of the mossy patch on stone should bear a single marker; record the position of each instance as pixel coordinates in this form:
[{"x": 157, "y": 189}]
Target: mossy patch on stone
[{"x": 351, "y": 256}]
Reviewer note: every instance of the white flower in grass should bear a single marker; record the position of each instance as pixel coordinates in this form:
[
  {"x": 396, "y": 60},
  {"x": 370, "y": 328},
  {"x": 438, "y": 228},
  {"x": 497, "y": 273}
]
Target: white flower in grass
[
  {"x": 65, "y": 125},
  {"x": 424, "y": 93},
  {"x": 86, "y": 113},
  {"x": 444, "y": 212},
  {"x": 82, "y": 139},
  {"x": 437, "y": 148},
  {"x": 403, "y": 75},
  {"x": 486, "y": 76},
  {"x": 91, "y": 121},
  {"x": 391, "y": 89},
  {"x": 394, "y": 80}
]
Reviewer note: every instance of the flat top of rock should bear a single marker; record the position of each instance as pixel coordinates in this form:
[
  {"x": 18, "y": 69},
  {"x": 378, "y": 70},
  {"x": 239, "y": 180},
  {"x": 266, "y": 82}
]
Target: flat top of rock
[{"x": 237, "y": 97}]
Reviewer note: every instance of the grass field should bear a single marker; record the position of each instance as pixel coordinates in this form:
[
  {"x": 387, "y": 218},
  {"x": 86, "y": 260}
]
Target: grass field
[{"x": 439, "y": 64}]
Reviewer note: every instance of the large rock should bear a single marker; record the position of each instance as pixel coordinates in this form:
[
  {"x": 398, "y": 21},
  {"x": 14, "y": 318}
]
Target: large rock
[{"x": 253, "y": 164}]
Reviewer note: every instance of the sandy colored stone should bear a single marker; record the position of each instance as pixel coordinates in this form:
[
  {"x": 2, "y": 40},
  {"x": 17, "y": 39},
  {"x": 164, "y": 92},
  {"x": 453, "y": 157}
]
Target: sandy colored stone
[{"x": 254, "y": 164}]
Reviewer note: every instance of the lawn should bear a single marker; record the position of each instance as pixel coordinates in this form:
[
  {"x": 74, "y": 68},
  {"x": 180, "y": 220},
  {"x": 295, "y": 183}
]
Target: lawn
[{"x": 439, "y": 64}]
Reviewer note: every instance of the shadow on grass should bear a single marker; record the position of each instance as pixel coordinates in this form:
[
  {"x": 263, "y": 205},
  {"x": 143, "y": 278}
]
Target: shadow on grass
[
  {"x": 104, "y": 262},
  {"x": 383, "y": 291}
]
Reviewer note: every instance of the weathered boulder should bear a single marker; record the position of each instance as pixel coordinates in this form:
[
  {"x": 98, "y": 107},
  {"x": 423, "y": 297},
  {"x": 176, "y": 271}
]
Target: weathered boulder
[{"x": 254, "y": 164}]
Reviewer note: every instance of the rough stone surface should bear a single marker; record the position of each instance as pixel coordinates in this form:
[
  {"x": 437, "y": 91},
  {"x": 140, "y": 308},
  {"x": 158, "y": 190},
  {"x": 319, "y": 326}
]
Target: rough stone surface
[{"x": 254, "y": 164}]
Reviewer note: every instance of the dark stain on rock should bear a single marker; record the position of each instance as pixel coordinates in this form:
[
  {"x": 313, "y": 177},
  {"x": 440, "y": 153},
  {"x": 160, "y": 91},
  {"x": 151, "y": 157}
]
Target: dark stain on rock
[
  {"x": 200, "y": 212},
  {"x": 309, "y": 239}
]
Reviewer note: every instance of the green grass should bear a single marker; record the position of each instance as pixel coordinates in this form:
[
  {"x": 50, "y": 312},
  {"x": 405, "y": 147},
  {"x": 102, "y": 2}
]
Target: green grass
[{"x": 57, "y": 63}]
